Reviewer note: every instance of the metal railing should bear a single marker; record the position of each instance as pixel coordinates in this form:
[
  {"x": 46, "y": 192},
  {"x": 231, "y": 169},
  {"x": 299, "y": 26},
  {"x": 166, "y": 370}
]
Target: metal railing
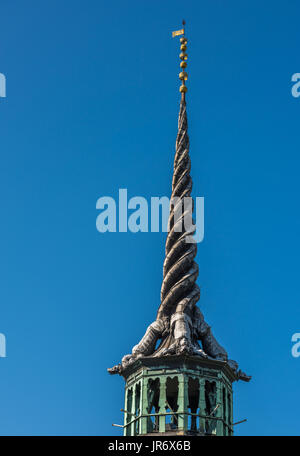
[{"x": 173, "y": 414}]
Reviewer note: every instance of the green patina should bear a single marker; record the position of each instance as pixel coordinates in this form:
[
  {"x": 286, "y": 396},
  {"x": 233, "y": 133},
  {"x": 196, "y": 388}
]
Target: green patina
[{"x": 178, "y": 395}]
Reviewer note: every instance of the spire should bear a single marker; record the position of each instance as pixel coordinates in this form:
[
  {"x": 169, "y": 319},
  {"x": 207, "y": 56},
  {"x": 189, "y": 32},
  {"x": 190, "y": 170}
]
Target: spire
[
  {"x": 179, "y": 323},
  {"x": 179, "y": 291},
  {"x": 180, "y": 270}
]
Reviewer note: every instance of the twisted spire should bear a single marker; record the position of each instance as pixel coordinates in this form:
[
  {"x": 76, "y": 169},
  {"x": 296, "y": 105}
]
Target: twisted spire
[
  {"x": 179, "y": 323},
  {"x": 179, "y": 291}
]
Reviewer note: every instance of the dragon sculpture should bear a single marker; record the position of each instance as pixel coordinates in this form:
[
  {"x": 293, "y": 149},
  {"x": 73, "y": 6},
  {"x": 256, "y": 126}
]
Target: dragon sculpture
[{"x": 179, "y": 323}]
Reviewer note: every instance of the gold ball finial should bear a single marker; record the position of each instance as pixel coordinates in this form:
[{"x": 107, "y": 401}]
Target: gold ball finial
[
  {"x": 183, "y": 76},
  {"x": 183, "y": 57}
]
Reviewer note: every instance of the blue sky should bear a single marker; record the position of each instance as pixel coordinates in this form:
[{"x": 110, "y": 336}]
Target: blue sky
[{"x": 91, "y": 107}]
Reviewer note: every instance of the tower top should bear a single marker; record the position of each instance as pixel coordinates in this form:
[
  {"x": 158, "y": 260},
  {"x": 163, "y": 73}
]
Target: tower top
[
  {"x": 179, "y": 328},
  {"x": 183, "y": 57}
]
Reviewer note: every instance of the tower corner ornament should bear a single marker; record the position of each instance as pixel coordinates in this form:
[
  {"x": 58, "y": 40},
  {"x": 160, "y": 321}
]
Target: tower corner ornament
[{"x": 179, "y": 325}]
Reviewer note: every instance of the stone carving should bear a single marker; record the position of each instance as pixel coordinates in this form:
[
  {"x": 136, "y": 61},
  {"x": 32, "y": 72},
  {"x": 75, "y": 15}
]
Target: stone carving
[{"x": 179, "y": 322}]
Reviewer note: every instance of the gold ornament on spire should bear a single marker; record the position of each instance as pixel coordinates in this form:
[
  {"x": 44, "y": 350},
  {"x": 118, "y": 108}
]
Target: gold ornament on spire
[{"x": 183, "y": 57}]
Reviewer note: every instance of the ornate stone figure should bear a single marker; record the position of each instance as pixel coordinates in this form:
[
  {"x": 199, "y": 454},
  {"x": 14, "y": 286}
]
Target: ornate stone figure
[{"x": 179, "y": 324}]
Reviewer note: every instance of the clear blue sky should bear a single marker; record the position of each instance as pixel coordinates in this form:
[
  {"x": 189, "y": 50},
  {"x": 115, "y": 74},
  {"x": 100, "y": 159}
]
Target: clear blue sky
[{"x": 91, "y": 107}]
